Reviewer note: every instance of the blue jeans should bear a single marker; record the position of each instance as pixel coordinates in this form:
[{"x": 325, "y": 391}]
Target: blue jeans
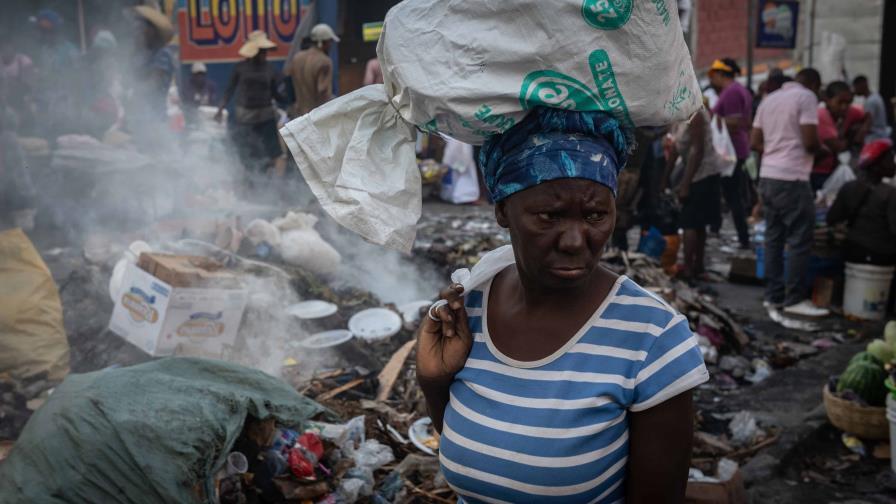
[{"x": 789, "y": 208}]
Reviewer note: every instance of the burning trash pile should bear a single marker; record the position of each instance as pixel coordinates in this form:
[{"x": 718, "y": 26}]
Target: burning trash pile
[{"x": 456, "y": 241}]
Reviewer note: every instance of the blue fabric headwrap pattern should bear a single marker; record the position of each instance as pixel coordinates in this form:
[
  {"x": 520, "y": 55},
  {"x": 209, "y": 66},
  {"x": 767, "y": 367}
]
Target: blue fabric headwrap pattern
[{"x": 551, "y": 144}]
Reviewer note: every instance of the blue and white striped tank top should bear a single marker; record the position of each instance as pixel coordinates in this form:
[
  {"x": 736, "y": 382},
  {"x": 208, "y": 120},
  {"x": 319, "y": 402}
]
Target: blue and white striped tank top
[{"x": 555, "y": 430}]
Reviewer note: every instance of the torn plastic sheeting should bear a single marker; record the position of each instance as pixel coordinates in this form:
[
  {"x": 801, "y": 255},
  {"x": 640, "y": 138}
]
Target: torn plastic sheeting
[{"x": 155, "y": 432}]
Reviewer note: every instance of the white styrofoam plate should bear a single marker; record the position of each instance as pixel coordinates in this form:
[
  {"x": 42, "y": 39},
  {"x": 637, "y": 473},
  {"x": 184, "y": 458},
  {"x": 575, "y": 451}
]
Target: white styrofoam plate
[
  {"x": 312, "y": 309},
  {"x": 327, "y": 339},
  {"x": 419, "y": 432},
  {"x": 375, "y": 324}
]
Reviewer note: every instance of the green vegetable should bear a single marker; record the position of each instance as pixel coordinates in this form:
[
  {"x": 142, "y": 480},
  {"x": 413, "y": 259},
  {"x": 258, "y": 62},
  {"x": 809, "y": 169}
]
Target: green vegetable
[
  {"x": 881, "y": 350},
  {"x": 864, "y": 357},
  {"x": 890, "y": 333},
  {"x": 866, "y": 379}
]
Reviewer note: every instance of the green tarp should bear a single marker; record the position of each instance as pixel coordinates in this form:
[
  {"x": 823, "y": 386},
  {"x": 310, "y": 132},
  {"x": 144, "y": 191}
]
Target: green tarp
[{"x": 147, "y": 433}]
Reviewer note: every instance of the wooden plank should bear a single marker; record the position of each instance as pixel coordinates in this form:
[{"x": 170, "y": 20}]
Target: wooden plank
[
  {"x": 338, "y": 390},
  {"x": 736, "y": 330},
  {"x": 392, "y": 370}
]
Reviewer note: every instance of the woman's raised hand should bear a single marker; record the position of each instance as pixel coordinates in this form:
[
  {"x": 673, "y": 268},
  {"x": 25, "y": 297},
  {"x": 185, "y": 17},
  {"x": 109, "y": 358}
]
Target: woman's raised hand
[{"x": 444, "y": 345}]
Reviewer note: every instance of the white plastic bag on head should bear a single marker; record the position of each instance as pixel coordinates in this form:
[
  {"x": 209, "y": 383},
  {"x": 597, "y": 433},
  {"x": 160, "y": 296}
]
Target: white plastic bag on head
[{"x": 473, "y": 69}]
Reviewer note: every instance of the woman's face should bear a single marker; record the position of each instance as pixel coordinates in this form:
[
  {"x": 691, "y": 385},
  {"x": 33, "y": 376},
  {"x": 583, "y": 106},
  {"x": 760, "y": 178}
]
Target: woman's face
[
  {"x": 839, "y": 104},
  {"x": 559, "y": 229}
]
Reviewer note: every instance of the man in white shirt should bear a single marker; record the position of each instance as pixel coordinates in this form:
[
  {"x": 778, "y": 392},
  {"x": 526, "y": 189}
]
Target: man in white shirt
[{"x": 785, "y": 133}]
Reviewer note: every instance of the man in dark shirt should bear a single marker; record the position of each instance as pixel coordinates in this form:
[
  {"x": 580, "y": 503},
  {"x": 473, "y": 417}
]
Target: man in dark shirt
[
  {"x": 254, "y": 84},
  {"x": 735, "y": 107},
  {"x": 868, "y": 207}
]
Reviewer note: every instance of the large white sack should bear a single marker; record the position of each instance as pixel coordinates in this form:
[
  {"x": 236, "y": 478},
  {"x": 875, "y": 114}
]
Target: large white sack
[
  {"x": 357, "y": 156},
  {"x": 472, "y": 69}
]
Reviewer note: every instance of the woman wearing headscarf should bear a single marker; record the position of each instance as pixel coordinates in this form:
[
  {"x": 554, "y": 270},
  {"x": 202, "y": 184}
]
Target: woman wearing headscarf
[
  {"x": 554, "y": 379},
  {"x": 254, "y": 84}
]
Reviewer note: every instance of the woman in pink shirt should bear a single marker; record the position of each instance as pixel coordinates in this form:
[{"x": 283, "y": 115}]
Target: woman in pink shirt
[{"x": 841, "y": 127}]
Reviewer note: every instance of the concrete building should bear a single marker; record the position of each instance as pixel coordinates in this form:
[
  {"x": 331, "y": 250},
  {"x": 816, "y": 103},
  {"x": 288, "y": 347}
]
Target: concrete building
[{"x": 864, "y": 28}]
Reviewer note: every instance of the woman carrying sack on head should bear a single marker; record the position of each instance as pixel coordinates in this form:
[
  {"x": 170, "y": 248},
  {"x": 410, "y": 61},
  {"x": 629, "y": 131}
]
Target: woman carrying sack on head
[
  {"x": 554, "y": 379},
  {"x": 254, "y": 84}
]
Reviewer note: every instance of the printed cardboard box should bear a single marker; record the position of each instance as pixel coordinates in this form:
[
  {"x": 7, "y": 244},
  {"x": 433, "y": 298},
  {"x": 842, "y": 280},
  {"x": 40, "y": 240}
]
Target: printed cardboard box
[{"x": 164, "y": 320}]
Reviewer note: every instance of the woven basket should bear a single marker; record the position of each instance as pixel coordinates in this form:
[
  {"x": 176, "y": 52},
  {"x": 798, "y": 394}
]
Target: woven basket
[{"x": 866, "y": 422}]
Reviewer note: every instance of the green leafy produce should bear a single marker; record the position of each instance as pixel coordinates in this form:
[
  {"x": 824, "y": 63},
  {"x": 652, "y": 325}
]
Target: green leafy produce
[
  {"x": 881, "y": 350},
  {"x": 864, "y": 357},
  {"x": 890, "y": 333},
  {"x": 866, "y": 379}
]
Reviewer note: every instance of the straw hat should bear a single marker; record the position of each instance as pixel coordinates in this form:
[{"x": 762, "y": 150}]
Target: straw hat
[
  {"x": 159, "y": 20},
  {"x": 257, "y": 40}
]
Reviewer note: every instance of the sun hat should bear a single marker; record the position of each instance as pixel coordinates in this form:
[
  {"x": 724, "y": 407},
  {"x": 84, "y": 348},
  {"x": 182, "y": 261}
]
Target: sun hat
[
  {"x": 322, "y": 32},
  {"x": 198, "y": 67},
  {"x": 257, "y": 40},
  {"x": 158, "y": 20}
]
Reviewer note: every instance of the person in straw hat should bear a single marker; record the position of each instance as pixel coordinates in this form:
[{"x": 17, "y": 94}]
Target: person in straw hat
[
  {"x": 253, "y": 84},
  {"x": 312, "y": 71}
]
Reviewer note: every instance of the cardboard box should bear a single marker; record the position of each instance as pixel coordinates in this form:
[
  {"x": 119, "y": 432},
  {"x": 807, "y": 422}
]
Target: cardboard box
[
  {"x": 161, "y": 319},
  {"x": 723, "y": 492},
  {"x": 187, "y": 271}
]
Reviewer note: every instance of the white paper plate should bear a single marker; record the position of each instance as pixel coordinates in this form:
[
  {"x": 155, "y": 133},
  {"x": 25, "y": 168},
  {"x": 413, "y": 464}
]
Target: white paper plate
[
  {"x": 375, "y": 324},
  {"x": 410, "y": 312},
  {"x": 312, "y": 309},
  {"x": 419, "y": 432},
  {"x": 327, "y": 339}
]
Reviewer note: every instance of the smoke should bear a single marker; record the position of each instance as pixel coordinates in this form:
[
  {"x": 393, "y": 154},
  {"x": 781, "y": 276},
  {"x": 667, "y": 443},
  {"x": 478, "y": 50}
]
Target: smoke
[
  {"x": 391, "y": 276},
  {"x": 114, "y": 163}
]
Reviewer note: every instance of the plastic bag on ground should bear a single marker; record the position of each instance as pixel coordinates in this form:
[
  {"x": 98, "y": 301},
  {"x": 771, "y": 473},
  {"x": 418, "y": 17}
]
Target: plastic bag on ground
[
  {"x": 372, "y": 455},
  {"x": 32, "y": 336},
  {"x": 469, "y": 70},
  {"x": 149, "y": 433},
  {"x": 461, "y": 184}
]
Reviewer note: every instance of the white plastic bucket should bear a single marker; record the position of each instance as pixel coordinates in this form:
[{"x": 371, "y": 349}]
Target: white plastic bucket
[
  {"x": 891, "y": 416},
  {"x": 867, "y": 290}
]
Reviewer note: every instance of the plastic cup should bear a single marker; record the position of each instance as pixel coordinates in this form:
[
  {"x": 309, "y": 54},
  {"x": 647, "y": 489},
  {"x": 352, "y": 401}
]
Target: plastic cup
[{"x": 236, "y": 464}]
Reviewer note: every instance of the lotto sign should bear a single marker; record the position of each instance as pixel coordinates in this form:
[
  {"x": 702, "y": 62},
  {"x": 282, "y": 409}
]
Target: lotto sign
[{"x": 214, "y": 30}]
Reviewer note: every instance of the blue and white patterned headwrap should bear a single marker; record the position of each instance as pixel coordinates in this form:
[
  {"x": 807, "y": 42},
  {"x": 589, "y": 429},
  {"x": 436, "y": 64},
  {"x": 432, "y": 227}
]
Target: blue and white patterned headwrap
[{"x": 552, "y": 144}]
